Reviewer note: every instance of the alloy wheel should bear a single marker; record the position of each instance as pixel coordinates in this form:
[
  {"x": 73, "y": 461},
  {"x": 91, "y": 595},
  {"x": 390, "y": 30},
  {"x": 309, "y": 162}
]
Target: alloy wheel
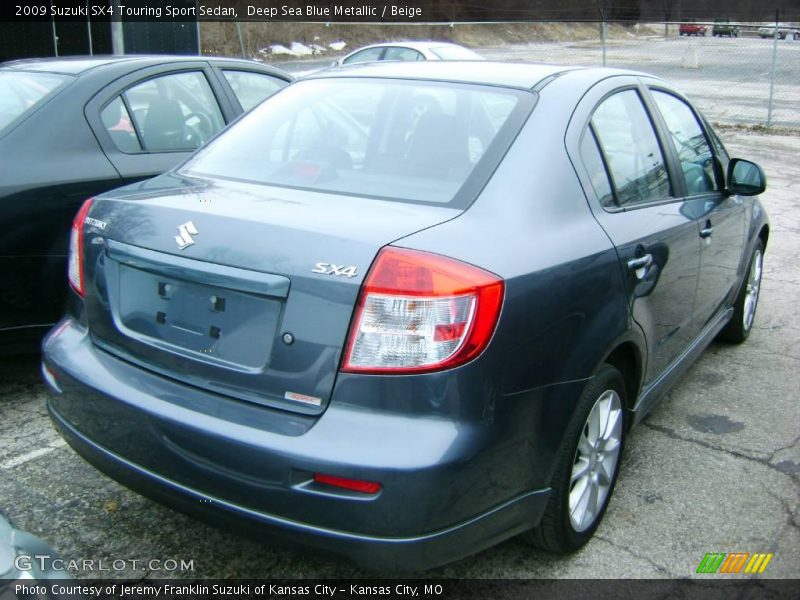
[
  {"x": 752, "y": 290},
  {"x": 596, "y": 459}
]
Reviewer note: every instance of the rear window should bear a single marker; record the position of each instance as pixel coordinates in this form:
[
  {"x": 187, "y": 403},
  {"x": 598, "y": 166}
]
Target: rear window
[
  {"x": 21, "y": 92},
  {"x": 390, "y": 139}
]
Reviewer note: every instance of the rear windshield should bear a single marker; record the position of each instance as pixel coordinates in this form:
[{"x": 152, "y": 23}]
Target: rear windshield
[
  {"x": 390, "y": 139},
  {"x": 21, "y": 92}
]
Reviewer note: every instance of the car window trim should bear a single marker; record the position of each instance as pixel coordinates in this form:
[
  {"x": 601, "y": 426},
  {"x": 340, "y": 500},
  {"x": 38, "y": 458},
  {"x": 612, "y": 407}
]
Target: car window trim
[
  {"x": 589, "y": 130},
  {"x": 132, "y": 117},
  {"x": 637, "y": 87},
  {"x": 668, "y": 139},
  {"x": 703, "y": 128}
]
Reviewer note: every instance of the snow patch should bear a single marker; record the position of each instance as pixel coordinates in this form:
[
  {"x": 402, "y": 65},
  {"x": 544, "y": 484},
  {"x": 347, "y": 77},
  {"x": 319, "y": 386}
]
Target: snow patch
[
  {"x": 337, "y": 46},
  {"x": 299, "y": 49},
  {"x": 295, "y": 49},
  {"x": 276, "y": 49}
]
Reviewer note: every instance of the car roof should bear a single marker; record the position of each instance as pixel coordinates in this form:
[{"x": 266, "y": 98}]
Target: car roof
[
  {"x": 77, "y": 65},
  {"x": 515, "y": 75}
]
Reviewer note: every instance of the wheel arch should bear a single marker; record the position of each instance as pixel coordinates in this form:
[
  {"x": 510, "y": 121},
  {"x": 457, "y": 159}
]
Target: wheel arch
[
  {"x": 763, "y": 234},
  {"x": 628, "y": 357}
]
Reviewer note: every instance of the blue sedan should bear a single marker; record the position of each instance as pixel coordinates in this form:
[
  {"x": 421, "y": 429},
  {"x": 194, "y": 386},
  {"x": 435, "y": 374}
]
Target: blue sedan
[{"x": 402, "y": 312}]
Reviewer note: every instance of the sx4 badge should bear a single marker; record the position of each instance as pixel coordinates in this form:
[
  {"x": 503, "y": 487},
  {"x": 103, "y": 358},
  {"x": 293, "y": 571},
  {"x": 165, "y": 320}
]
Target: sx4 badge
[{"x": 331, "y": 269}]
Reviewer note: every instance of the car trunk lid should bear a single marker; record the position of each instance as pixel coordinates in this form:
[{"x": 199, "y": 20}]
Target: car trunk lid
[{"x": 243, "y": 289}]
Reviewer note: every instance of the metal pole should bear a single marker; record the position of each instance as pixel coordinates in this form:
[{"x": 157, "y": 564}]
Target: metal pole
[
  {"x": 603, "y": 39},
  {"x": 197, "y": 24},
  {"x": 239, "y": 33},
  {"x": 89, "y": 27},
  {"x": 53, "y": 30},
  {"x": 772, "y": 70},
  {"x": 117, "y": 36}
]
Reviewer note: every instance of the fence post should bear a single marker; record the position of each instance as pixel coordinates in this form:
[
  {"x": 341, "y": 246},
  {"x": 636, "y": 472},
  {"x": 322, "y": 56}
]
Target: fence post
[
  {"x": 603, "y": 39},
  {"x": 239, "y": 33},
  {"x": 772, "y": 69},
  {"x": 89, "y": 28},
  {"x": 53, "y": 31},
  {"x": 117, "y": 33}
]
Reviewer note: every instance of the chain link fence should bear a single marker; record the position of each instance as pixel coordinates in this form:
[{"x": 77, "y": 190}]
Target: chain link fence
[
  {"x": 742, "y": 79},
  {"x": 751, "y": 78}
]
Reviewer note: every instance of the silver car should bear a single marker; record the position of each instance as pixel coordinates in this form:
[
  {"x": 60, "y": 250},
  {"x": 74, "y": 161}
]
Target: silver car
[
  {"x": 409, "y": 51},
  {"x": 20, "y": 552}
]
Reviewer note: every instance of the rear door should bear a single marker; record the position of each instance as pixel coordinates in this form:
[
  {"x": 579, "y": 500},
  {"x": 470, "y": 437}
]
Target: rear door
[
  {"x": 720, "y": 217},
  {"x": 633, "y": 198}
]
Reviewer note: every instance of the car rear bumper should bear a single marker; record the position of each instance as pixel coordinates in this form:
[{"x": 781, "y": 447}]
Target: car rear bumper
[{"x": 217, "y": 463}]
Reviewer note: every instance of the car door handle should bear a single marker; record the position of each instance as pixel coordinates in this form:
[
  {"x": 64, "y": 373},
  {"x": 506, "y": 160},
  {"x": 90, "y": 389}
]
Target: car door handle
[
  {"x": 707, "y": 230},
  {"x": 639, "y": 265},
  {"x": 641, "y": 262}
]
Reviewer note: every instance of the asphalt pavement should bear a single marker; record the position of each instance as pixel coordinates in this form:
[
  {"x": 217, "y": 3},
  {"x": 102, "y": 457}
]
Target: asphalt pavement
[{"x": 715, "y": 467}]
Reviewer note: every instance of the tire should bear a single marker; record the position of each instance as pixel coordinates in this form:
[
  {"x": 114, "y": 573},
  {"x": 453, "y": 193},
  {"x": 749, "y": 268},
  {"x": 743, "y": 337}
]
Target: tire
[
  {"x": 744, "y": 309},
  {"x": 561, "y": 530}
]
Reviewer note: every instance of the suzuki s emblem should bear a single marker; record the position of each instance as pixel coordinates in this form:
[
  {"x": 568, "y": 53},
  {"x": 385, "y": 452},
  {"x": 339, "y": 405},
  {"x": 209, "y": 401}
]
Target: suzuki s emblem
[{"x": 185, "y": 233}]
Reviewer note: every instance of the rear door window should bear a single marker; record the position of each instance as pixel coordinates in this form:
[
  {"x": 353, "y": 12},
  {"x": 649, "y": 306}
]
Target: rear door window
[
  {"x": 117, "y": 122},
  {"x": 596, "y": 169},
  {"x": 400, "y": 53},
  {"x": 631, "y": 149},
  {"x": 175, "y": 112},
  {"x": 368, "y": 55}
]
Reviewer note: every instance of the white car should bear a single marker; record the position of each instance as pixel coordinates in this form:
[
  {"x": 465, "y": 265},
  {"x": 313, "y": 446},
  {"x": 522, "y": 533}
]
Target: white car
[
  {"x": 783, "y": 30},
  {"x": 409, "y": 51}
]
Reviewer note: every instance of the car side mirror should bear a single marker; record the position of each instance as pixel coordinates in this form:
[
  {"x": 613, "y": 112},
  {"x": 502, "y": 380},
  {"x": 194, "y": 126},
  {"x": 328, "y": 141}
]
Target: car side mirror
[{"x": 745, "y": 178}]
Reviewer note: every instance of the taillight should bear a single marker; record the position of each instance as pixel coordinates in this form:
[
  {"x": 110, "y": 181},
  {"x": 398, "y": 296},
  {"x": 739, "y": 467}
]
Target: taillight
[
  {"x": 75, "y": 270},
  {"x": 421, "y": 312}
]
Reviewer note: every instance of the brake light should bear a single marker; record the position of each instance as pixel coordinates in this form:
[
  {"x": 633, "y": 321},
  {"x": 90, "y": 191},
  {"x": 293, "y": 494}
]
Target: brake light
[
  {"x": 75, "y": 270},
  {"x": 420, "y": 312}
]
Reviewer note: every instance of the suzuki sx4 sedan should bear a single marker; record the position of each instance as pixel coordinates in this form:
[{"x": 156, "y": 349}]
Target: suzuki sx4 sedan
[{"x": 401, "y": 312}]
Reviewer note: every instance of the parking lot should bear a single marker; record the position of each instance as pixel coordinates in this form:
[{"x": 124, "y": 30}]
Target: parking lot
[
  {"x": 715, "y": 468},
  {"x": 728, "y": 78}
]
